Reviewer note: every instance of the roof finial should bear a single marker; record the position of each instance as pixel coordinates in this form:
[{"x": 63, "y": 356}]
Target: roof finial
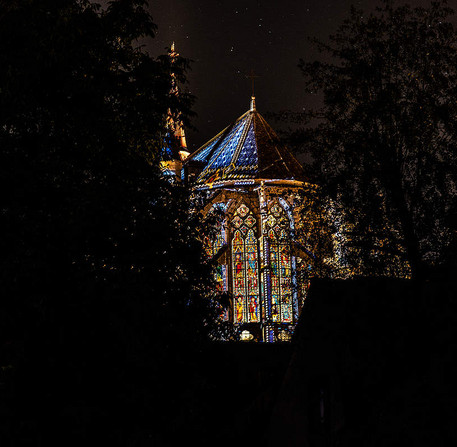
[
  {"x": 252, "y": 103},
  {"x": 252, "y": 77}
]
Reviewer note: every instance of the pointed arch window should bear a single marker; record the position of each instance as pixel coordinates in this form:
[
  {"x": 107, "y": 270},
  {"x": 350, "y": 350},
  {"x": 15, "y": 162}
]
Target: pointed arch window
[
  {"x": 245, "y": 267},
  {"x": 213, "y": 244},
  {"x": 280, "y": 266}
]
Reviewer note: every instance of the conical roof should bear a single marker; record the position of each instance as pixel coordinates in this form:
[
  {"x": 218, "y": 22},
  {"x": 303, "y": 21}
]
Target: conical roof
[{"x": 248, "y": 149}]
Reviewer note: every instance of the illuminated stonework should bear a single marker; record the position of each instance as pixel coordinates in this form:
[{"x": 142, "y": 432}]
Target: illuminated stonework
[{"x": 246, "y": 172}]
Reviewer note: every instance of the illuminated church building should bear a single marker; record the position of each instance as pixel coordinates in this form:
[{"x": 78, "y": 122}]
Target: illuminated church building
[
  {"x": 245, "y": 172},
  {"x": 253, "y": 180}
]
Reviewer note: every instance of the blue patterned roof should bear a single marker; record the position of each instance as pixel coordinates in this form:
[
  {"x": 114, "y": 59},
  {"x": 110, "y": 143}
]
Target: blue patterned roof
[
  {"x": 247, "y": 149},
  {"x": 248, "y": 153},
  {"x": 223, "y": 155}
]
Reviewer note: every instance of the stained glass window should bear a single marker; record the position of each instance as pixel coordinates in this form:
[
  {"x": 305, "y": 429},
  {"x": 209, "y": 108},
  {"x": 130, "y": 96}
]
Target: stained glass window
[
  {"x": 280, "y": 266},
  {"x": 213, "y": 245},
  {"x": 245, "y": 267}
]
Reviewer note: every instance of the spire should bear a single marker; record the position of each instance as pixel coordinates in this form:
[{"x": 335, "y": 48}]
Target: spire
[
  {"x": 252, "y": 76},
  {"x": 173, "y": 54},
  {"x": 175, "y": 131}
]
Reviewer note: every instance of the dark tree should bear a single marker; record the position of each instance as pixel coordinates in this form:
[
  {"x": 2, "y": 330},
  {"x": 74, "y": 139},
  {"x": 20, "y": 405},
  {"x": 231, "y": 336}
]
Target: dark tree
[
  {"x": 103, "y": 307},
  {"x": 384, "y": 141}
]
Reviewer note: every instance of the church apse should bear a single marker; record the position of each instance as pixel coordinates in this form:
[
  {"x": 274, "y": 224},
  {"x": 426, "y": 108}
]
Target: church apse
[{"x": 254, "y": 181}]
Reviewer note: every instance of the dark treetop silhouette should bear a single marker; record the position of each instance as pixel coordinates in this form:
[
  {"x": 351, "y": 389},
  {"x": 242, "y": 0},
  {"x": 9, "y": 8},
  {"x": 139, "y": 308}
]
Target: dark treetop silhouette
[
  {"x": 102, "y": 314},
  {"x": 383, "y": 142}
]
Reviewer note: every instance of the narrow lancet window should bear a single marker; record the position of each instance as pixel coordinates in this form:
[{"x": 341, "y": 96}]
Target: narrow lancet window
[
  {"x": 245, "y": 268},
  {"x": 280, "y": 267}
]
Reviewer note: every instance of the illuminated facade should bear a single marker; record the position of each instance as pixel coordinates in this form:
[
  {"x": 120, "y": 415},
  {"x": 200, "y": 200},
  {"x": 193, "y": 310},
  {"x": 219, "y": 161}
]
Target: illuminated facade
[{"x": 246, "y": 173}]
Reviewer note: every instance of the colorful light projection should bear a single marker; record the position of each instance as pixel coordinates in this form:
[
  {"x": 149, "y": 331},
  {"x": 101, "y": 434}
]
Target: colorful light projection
[
  {"x": 280, "y": 266},
  {"x": 245, "y": 267},
  {"x": 212, "y": 247}
]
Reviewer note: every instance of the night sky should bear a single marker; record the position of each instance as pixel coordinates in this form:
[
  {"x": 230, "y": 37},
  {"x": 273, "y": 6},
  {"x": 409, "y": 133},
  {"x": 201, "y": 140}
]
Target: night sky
[{"x": 228, "y": 39}]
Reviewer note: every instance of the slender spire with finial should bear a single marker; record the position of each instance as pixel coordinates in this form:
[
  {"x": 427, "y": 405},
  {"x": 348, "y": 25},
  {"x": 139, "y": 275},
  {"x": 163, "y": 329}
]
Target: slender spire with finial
[
  {"x": 174, "y": 124},
  {"x": 172, "y": 53},
  {"x": 252, "y": 77}
]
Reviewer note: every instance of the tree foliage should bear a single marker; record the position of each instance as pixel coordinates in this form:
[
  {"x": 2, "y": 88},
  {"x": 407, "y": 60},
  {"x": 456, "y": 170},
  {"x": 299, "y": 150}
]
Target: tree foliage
[
  {"x": 102, "y": 310},
  {"x": 384, "y": 141}
]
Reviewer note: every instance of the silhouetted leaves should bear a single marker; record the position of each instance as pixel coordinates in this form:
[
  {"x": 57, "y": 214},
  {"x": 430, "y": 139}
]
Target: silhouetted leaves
[
  {"x": 384, "y": 141},
  {"x": 103, "y": 296}
]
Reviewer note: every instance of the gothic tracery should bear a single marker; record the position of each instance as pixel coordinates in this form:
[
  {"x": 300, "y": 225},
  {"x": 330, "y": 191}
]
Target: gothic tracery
[{"x": 253, "y": 177}]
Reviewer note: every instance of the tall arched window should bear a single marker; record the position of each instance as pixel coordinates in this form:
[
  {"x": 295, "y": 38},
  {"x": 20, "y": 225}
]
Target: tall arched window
[
  {"x": 280, "y": 266},
  {"x": 245, "y": 267},
  {"x": 214, "y": 242}
]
